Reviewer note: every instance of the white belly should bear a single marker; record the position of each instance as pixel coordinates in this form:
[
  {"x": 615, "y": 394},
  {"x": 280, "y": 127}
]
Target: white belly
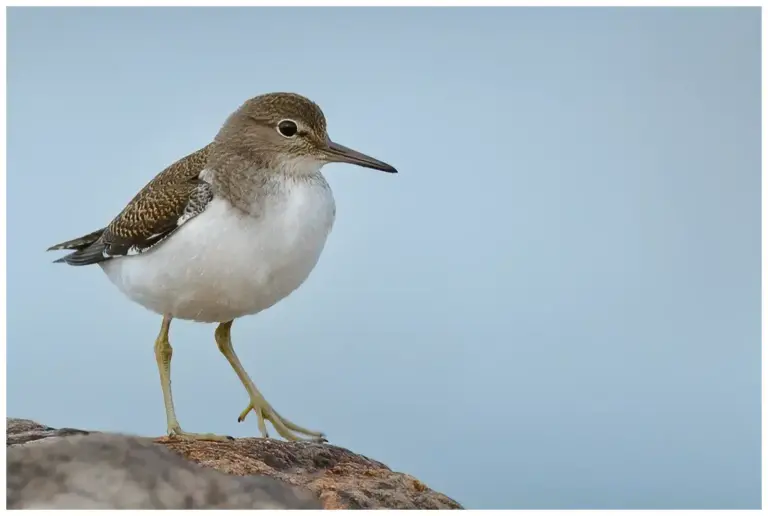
[{"x": 225, "y": 264}]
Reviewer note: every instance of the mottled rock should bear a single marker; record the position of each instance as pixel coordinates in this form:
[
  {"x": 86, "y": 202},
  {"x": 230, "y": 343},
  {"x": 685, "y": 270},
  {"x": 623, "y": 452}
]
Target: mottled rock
[
  {"x": 342, "y": 479},
  {"x": 112, "y": 471},
  {"x": 50, "y": 468},
  {"x": 20, "y": 431}
]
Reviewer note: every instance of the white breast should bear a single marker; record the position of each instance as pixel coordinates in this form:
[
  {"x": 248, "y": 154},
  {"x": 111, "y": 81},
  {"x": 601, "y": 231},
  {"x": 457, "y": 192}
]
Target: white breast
[{"x": 225, "y": 263}]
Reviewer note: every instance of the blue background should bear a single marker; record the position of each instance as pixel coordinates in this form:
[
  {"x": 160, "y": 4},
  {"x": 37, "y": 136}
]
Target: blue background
[{"x": 555, "y": 304}]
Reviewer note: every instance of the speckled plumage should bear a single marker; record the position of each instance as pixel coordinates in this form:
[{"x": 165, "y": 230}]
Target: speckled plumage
[
  {"x": 174, "y": 196},
  {"x": 251, "y": 211},
  {"x": 178, "y": 193}
]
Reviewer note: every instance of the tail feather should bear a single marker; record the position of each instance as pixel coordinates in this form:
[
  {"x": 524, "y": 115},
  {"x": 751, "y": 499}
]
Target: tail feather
[
  {"x": 78, "y": 244},
  {"x": 87, "y": 256},
  {"x": 88, "y": 249}
]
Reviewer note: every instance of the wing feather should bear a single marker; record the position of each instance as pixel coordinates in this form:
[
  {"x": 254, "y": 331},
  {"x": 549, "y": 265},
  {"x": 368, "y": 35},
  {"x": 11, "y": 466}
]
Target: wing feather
[{"x": 171, "y": 199}]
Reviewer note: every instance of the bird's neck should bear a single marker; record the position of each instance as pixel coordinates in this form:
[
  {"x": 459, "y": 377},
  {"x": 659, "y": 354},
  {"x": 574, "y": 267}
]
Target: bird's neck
[{"x": 249, "y": 185}]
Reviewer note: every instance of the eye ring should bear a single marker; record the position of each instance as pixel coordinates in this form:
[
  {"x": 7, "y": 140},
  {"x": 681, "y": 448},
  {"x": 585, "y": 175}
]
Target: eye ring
[{"x": 287, "y": 128}]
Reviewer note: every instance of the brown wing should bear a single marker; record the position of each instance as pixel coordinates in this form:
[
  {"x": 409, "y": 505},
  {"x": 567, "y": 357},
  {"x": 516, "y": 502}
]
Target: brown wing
[{"x": 172, "y": 198}]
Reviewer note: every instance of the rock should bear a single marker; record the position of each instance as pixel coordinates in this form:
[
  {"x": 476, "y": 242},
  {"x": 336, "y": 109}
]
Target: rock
[
  {"x": 58, "y": 470},
  {"x": 19, "y": 431},
  {"x": 76, "y": 469}
]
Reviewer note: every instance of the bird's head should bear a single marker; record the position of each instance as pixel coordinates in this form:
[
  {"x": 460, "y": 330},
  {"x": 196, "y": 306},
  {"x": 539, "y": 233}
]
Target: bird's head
[{"x": 287, "y": 131}]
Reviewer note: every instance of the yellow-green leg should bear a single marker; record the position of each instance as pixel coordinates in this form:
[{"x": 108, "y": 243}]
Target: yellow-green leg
[
  {"x": 258, "y": 404},
  {"x": 163, "y": 354}
]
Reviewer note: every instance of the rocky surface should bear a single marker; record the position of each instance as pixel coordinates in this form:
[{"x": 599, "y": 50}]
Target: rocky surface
[{"x": 68, "y": 468}]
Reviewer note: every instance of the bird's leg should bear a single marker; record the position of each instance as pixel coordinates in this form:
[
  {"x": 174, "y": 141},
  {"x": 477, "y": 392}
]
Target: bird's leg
[
  {"x": 264, "y": 410},
  {"x": 163, "y": 354}
]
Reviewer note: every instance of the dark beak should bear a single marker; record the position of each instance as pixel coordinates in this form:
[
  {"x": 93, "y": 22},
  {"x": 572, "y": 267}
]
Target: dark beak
[{"x": 340, "y": 154}]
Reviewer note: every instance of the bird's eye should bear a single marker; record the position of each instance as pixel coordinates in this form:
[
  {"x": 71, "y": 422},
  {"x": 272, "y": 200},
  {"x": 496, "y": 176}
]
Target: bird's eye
[{"x": 287, "y": 128}]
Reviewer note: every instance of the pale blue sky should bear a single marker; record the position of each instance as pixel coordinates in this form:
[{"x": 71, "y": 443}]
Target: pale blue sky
[{"x": 555, "y": 304}]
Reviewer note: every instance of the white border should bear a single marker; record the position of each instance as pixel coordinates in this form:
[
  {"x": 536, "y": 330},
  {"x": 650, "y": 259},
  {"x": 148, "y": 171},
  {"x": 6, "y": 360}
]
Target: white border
[
  {"x": 3, "y": 238},
  {"x": 390, "y": 3},
  {"x": 393, "y": 3},
  {"x": 764, "y": 249}
]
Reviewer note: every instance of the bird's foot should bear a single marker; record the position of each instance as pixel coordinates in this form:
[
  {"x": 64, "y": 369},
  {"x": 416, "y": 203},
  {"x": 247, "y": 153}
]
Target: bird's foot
[
  {"x": 177, "y": 433},
  {"x": 287, "y": 429}
]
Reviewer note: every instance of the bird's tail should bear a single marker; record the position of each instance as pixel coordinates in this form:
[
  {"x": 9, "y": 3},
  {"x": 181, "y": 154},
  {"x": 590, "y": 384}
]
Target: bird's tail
[
  {"x": 78, "y": 243},
  {"x": 85, "y": 253}
]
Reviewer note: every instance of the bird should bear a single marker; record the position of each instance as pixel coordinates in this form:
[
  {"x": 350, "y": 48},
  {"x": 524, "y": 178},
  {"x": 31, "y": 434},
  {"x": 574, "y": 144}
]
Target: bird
[{"x": 227, "y": 232}]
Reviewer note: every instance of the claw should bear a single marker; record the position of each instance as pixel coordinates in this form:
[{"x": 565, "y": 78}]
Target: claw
[
  {"x": 283, "y": 426},
  {"x": 178, "y": 433}
]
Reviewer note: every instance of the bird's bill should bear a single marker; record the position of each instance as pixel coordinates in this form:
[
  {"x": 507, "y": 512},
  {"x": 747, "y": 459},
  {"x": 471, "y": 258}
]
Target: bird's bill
[{"x": 341, "y": 154}]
